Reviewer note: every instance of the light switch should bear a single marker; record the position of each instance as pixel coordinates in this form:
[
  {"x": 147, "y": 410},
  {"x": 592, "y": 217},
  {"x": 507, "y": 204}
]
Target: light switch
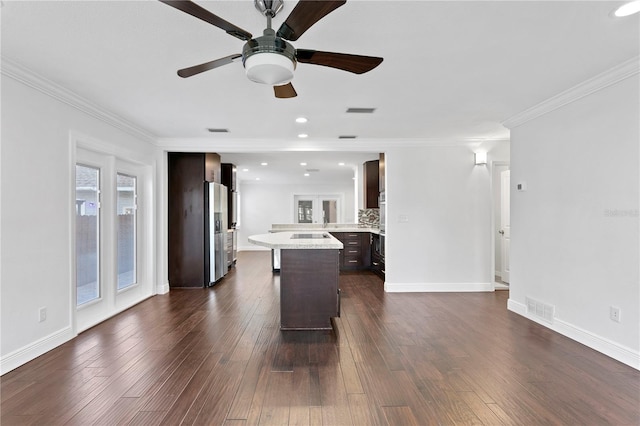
[{"x": 521, "y": 186}]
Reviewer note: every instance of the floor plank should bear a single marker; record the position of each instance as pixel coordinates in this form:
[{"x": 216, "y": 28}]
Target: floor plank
[{"x": 217, "y": 356}]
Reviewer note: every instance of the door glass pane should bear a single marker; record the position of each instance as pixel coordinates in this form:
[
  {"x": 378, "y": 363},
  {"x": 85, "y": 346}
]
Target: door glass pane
[
  {"x": 305, "y": 211},
  {"x": 87, "y": 234},
  {"x": 330, "y": 211},
  {"x": 126, "y": 222}
]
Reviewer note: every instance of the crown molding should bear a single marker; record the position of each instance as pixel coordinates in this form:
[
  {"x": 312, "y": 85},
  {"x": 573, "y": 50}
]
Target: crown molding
[
  {"x": 197, "y": 144},
  {"x": 612, "y": 76},
  {"x": 37, "y": 82}
]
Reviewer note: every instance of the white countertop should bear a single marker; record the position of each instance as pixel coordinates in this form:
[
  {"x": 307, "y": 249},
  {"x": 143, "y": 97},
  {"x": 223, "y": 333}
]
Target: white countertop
[
  {"x": 301, "y": 227},
  {"x": 283, "y": 240}
]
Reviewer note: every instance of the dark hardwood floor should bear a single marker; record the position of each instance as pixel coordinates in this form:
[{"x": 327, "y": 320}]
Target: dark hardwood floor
[{"x": 217, "y": 357}]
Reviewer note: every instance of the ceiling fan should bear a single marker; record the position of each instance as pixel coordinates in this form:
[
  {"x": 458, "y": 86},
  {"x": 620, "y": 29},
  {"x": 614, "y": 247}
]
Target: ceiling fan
[{"x": 270, "y": 59}]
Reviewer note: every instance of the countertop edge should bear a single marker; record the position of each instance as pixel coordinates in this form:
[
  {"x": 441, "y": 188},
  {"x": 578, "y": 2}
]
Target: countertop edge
[{"x": 282, "y": 240}]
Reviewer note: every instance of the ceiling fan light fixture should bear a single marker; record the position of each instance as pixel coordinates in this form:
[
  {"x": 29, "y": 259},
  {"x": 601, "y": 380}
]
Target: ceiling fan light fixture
[
  {"x": 269, "y": 68},
  {"x": 627, "y": 9}
]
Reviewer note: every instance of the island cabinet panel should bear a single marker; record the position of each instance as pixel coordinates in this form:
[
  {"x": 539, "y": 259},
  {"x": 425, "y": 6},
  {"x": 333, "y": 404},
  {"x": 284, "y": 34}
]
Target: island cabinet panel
[
  {"x": 356, "y": 253},
  {"x": 309, "y": 293}
]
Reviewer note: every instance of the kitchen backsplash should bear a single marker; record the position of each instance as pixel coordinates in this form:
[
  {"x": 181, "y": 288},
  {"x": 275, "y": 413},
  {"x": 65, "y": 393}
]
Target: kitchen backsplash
[{"x": 369, "y": 218}]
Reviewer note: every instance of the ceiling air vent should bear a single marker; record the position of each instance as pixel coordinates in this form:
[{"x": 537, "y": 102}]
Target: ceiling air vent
[
  {"x": 347, "y": 137},
  {"x": 360, "y": 110},
  {"x": 212, "y": 130}
]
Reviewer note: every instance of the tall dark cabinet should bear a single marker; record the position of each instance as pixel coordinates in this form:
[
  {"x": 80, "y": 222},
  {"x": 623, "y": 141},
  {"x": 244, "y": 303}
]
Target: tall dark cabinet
[
  {"x": 228, "y": 171},
  {"x": 229, "y": 180},
  {"x": 371, "y": 179},
  {"x": 188, "y": 221}
]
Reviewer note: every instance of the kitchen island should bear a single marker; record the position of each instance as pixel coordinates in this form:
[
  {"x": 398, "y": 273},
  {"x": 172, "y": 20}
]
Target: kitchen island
[{"x": 309, "y": 277}]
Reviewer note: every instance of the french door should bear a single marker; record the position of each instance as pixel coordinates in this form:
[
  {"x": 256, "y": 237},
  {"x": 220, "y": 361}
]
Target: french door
[
  {"x": 109, "y": 258},
  {"x": 317, "y": 209}
]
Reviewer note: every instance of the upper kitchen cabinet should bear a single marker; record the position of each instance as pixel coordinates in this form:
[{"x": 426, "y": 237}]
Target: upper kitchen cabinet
[
  {"x": 381, "y": 173},
  {"x": 229, "y": 176},
  {"x": 229, "y": 180},
  {"x": 371, "y": 179},
  {"x": 212, "y": 168}
]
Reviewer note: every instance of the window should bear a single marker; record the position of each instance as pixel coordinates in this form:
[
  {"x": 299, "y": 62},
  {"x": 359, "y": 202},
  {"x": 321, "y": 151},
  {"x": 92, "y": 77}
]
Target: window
[
  {"x": 87, "y": 233},
  {"x": 126, "y": 227}
]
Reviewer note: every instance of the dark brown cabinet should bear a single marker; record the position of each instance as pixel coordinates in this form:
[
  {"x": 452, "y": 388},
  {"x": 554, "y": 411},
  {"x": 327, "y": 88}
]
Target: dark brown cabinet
[
  {"x": 188, "y": 249},
  {"x": 356, "y": 253},
  {"x": 381, "y": 173},
  {"x": 309, "y": 289},
  {"x": 371, "y": 179},
  {"x": 228, "y": 171},
  {"x": 377, "y": 255},
  {"x": 212, "y": 167}
]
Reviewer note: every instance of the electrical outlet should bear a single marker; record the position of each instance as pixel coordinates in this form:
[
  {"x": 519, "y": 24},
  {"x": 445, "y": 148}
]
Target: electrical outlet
[
  {"x": 42, "y": 314},
  {"x": 614, "y": 313}
]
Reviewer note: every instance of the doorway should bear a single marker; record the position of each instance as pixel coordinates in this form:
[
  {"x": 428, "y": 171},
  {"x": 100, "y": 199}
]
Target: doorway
[
  {"x": 500, "y": 180},
  {"x": 111, "y": 237}
]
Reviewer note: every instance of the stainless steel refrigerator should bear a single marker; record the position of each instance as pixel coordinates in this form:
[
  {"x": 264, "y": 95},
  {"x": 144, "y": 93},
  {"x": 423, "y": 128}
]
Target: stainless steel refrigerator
[{"x": 217, "y": 231}]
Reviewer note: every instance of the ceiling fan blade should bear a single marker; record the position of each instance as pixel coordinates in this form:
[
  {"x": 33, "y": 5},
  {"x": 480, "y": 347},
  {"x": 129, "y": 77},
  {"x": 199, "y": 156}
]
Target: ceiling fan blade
[
  {"x": 197, "y": 69},
  {"x": 285, "y": 91},
  {"x": 194, "y": 10},
  {"x": 304, "y": 15},
  {"x": 353, "y": 63}
]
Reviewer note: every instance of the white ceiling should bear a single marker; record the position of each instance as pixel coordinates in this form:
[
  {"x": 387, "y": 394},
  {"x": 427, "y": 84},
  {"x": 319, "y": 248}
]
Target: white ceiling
[{"x": 452, "y": 70}]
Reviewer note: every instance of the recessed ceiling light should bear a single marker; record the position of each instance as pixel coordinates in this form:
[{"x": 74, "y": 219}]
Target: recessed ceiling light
[
  {"x": 628, "y": 9},
  {"x": 264, "y": 164},
  {"x": 340, "y": 164},
  {"x": 257, "y": 178},
  {"x": 303, "y": 164},
  {"x": 303, "y": 135},
  {"x": 245, "y": 170},
  {"x": 306, "y": 174},
  {"x": 301, "y": 120}
]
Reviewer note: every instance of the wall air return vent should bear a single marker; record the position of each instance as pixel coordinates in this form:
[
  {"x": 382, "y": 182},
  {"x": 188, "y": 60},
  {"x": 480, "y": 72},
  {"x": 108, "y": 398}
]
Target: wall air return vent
[
  {"x": 347, "y": 137},
  {"x": 214, "y": 130},
  {"x": 360, "y": 110},
  {"x": 539, "y": 309}
]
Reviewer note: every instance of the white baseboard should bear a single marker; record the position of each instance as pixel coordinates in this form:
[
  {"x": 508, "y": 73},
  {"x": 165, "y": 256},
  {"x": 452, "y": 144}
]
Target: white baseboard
[
  {"x": 162, "y": 288},
  {"x": 612, "y": 349},
  {"x": 436, "y": 287},
  {"x": 23, "y": 355}
]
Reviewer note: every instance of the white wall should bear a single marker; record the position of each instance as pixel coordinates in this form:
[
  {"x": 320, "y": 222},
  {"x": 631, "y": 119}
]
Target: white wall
[
  {"x": 575, "y": 230},
  {"x": 36, "y": 232},
  {"x": 264, "y": 204},
  {"x": 445, "y": 244}
]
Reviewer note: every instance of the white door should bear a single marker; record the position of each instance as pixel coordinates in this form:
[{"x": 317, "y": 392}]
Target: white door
[
  {"x": 317, "y": 209},
  {"x": 505, "y": 222},
  {"x": 110, "y": 261},
  {"x": 90, "y": 239}
]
